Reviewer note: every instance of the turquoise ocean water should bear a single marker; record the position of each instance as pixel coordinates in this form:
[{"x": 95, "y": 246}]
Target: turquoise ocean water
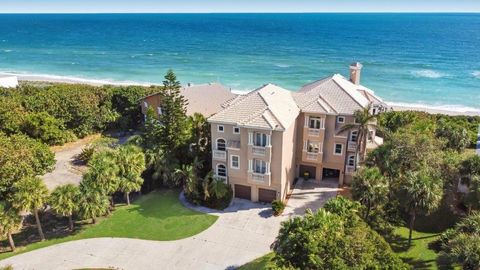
[{"x": 431, "y": 59}]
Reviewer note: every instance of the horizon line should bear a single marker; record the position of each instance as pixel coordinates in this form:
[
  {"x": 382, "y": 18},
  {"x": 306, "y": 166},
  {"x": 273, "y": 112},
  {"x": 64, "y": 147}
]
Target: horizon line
[{"x": 250, "y": 12}]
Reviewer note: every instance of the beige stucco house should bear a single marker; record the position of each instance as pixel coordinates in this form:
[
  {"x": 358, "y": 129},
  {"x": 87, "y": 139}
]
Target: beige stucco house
[{"x": 263, "y": 140}]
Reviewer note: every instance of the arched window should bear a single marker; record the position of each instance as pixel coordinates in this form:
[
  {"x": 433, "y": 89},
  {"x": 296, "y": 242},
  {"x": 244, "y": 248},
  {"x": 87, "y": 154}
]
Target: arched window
[
  {"x": 354, "y": 136},
  {"x": 351, "y": 160},
  {"x": 221, "y": 170},
  {"x": 221, "y": 144}
]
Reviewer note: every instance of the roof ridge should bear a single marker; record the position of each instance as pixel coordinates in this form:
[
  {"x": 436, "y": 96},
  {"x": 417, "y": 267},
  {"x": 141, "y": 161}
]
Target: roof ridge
[
  {"x": 328, "y": 103},
  {"x": 347, "y": 92},
  {"x": 276, "y": 118}
]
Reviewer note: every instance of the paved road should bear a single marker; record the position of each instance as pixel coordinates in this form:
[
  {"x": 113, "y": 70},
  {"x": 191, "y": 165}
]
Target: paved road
[
  {"x": 65, "y": 172},
  {"x": 243, "y": 232}
]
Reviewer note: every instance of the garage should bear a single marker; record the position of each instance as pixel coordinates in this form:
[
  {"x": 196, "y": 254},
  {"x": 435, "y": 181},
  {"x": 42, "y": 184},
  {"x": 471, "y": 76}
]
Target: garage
[
  {"x": 310, "y": 170},
  {"x": 266, "y": 195},
  {"x": 243, "y": 192}
]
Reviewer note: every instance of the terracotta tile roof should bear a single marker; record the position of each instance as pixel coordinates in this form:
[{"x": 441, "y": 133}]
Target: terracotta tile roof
[{"x": 268, "y": 107}]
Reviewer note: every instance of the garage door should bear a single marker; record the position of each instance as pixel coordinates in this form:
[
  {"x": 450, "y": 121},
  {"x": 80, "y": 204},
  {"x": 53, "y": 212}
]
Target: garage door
[
  {"x": 266, "y": 195},
  {"x": 243, "y": 192}
]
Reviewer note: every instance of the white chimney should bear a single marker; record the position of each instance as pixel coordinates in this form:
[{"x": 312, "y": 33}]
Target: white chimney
[{"x": 355, "y": 71}]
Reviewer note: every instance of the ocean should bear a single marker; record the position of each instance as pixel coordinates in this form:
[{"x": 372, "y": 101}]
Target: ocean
[{"x": 415, "y": 59}]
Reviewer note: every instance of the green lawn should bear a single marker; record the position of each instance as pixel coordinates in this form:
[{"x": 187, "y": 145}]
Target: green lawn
[
  {"x": 259, "y": 263},
  {"x": 158, "y": 215}
]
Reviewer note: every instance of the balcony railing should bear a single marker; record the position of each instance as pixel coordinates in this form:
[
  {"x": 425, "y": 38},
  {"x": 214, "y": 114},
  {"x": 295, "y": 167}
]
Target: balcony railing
[
  {"x": 349, "y": 170},
  {"x": 313, "y": 132},
  {"x": 220, "y": 155},
  {"x": 224, "y": 178},
  {"x": 352, "y": 146},
  {"x": 312, "y": 156},
  {"x": 260, "y": 178},
  {"x": 259, "y": 150}
]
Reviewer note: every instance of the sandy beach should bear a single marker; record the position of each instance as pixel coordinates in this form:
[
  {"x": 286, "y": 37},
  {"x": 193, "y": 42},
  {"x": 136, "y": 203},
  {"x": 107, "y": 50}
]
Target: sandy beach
[{"x": 72, "y": 80}]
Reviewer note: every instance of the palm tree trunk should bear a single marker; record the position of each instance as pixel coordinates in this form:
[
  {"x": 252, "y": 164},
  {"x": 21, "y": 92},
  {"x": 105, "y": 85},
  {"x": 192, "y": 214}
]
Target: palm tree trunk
[
  {"x": 412, "y": 222},
  {"x": 94, "y": 220},
  {"x": 10, "y": 241},
  {"x": 39, "y": 225},
  {"x": 70, "y": 222},
  {"x": 112, "y": 203},
  {"x": 127, "y": 195}
]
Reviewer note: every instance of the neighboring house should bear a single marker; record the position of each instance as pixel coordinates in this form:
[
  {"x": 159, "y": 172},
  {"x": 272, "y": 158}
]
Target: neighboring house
[
  {"x": 8, "y": 81},
  {"x": 206, "y": 99},
  {"x": 264, "y": 139}
]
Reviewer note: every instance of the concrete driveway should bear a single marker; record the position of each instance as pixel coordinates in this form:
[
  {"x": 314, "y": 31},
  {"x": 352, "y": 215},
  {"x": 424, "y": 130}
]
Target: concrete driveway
[{"x": 243, "y": 232}]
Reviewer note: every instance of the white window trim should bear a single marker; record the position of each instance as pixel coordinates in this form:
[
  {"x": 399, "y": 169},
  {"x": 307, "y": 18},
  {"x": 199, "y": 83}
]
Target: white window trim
[
  {"x": 340, "y": 117},
  {"x": 216, "y": 144},
  {"x": 159, "y": 111},
  {"x": 348, "y": 160},
  {"x": 335, "y": 148},
  {"x": 223, "y": 128},
  {"x": 216, "y": 170},
  {"x": 231, "y": 162},
  {"x": 233, "y": 130},
  {"x": 351, "y": 135},
  {"x": 145, "y": 104}
]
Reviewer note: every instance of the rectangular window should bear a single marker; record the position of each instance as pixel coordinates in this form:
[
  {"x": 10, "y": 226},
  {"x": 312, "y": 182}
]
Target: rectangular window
[
  {"x": 259, "y": 166},
  {"x": 236, "y": 130},
  {"x": 351, "y": 160},
  {"x": 234, "y": 162},
  {"x": 315, "y": 123},
  {"x": 260, "y": 139},
  {"x": 159, "y": 110},
  {"x": 314, "y": 147},
  {"x": 340, "y": 119},
  {"x": 338, "y": 149},
  {"x": 220, "y": 128}
]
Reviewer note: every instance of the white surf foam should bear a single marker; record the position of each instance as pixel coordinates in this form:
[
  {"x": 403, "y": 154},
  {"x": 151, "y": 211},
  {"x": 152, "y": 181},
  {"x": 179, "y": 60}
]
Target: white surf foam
[
  {"x": 428, "y": 73},
  {"x": 476, "y": 74},
  {"x": 444, "y": 108}
]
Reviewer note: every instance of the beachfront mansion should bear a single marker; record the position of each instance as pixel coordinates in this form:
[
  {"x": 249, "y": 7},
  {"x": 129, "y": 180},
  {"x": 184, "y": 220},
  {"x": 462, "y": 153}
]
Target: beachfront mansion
[{"x": 263, "y": 140}]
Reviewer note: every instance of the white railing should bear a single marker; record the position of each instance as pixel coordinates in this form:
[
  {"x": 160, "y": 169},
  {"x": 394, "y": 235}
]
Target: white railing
[
  {"x": 312, "y": 156},
  {"x": 352, "y": 146},
  {"x": 224, "y": 178},
  {"x": 349, "y": 170},
  {"x": 259, "y": 150},
  {"x": 313, "y": 132},
  {"x": 220, "y": 155}
]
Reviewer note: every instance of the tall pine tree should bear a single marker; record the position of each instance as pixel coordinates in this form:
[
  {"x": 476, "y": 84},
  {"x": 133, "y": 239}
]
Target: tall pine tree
[{"x": 174, "y": 130}]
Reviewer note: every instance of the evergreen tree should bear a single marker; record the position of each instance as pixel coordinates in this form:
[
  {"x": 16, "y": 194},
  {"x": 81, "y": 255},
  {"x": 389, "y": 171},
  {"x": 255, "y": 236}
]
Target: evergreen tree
[{"x": 174, "y": 127}]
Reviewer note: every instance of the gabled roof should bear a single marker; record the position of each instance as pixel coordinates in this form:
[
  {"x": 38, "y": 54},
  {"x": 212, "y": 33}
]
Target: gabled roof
[
  {"x": 334, "y": 95},
  {"x": 268, "y": 107}
]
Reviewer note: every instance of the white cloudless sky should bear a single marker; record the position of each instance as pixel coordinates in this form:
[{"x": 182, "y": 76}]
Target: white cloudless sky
[{"x": 213, "y": 6}]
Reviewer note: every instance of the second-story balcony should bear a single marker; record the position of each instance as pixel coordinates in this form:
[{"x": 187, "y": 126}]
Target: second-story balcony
[
  {"x": 259, "y": 178},
  {"x": 259, "y": 150},
  {"x": 312, "y": 156},
  {"x": 352, "y": 146},
  {"x": 220, "y": 155},
  {"x": 314, "y": 132}
]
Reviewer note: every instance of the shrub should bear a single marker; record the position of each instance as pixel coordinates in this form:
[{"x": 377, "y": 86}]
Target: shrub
[
  {"x": 86, "y": 154},
  {"x": 278, "y": 206},
  {"x": 217, "y": 201}
]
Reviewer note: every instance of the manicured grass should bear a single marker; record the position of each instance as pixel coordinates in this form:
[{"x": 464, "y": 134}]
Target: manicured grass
[
  {"x": 421, "y": 254},
  {"x": 158, "y": 215},
  {"x": 259, "y": 263}
]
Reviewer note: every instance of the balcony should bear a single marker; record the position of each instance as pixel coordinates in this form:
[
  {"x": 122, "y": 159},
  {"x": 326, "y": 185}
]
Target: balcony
[
  {"x": 313, "y": 132},
  {"x": 224, "y": 178},
  {"x": 259, "y": 178},
  {"x": 352, "y": 146},
  {"x": 312, "y": 156},
  {"x": 220, "y": 155},
  {"x": 349, "y": 170},
  {"x": 259, "y": 151}
]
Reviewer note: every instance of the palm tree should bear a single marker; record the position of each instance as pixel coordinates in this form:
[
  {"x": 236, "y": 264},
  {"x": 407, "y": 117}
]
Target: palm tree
[
  {"x": 30, "y": 194},
  {"x": 187, "y": 176},
  {"x": 164, "y": 169},
  {"x": 369, "y": 187},
  {"x": 364, "y": 122},
  {"x": 207, "y": 180},
  {"x": 10, "y": 222},
  {"x": 218, "y": 188},
  {"x": 64, "y": 201},
  {"x": 102, "y": 174},
  {"x": 421, "y": 193},
  {"x": 131, "y": 164},
  {"x": 93, "y": 203}
]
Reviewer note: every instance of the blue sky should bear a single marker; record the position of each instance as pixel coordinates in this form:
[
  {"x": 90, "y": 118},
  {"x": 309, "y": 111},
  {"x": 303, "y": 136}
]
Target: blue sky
[{"x": 187, "y": 6}]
